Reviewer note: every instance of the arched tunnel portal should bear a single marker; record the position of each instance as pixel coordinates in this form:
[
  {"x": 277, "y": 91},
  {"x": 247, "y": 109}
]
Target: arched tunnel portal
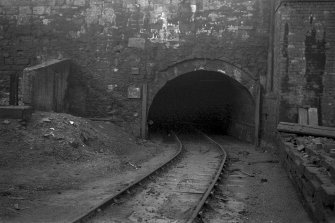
[{"x": 209, "y": 100}]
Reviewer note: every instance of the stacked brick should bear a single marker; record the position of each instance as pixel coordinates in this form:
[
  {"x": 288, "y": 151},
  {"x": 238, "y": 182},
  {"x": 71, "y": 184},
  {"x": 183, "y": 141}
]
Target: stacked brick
[{"x": 312, "y": 171}]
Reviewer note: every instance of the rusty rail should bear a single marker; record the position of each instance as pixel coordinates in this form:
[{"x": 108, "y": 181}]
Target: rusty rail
[
  {"x": 197, "y": 210},
  {"x": 111, "y": 200}
]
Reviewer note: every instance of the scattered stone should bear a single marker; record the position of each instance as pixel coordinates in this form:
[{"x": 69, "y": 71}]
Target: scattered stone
[
  {"x": 332, "y": 153},
  {"x": 264, "y": 161},
  {"x": 263, "y": 180},
  {"x": 244, "y": 153},
  {"x": 6, "y": 122},
  {"x": 59, "y": 137},
  {"x": 133, "y": 165},
  {"x": 318, "y": 146},
  {"x": 13, "y": 210},
  {"x": 5, "y": 193},
  {"x": 74, "y": 144},
  {"x": 16, "y": 206},
  {"x": 316, "y": 140},
  {"x": 46, "y": 120},
  {"x": 301, "y": 148},
  {"x": 243, "y": 212},
  {"x": 47, "y": 135},
  {"x": 23, "y": 123},
  {"x": 328, "y": 147},
  {"x": 248, "y": 174}
]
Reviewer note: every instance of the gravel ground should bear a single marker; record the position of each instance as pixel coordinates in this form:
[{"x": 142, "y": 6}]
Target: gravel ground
[
  {"x": 256, "y": 189},
  {"x": 169, "y": 196},
  {"x": 57, "y": 166}
]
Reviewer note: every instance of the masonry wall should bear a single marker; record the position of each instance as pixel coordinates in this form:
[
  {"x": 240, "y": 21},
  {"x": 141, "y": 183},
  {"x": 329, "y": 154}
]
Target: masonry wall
[
  {"x": 304, "y": 59},
  {"x": 119, "y": 44}
]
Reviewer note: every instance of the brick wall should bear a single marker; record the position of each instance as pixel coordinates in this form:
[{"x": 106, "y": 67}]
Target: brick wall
[
  {"x": 124, "y": 43},
  {"x": 304, "y": 62}
]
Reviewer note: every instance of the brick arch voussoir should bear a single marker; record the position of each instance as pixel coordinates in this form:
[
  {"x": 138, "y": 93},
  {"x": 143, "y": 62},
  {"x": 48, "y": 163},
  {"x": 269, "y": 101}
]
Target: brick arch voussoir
[{"x": 224, "y": 66}]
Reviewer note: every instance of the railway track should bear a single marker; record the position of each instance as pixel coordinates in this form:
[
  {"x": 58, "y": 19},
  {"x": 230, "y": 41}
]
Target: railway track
[{"x": 175, "y": 192}]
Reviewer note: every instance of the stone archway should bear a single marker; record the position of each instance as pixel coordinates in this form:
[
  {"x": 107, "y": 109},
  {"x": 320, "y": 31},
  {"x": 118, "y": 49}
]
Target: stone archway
[
  {"x": 241, "y": 75},
  {"x": 225, "y": 67}
]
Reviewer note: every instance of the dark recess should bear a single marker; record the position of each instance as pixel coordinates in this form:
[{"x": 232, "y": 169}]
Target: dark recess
[{"x": 210, "y": 101}]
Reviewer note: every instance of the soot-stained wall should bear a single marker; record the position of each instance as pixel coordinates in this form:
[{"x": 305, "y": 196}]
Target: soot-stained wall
[
  {"x": 304, "y": 61},
  {"x": 208, "y": 100},
  {"x": 121, "y": 44}
]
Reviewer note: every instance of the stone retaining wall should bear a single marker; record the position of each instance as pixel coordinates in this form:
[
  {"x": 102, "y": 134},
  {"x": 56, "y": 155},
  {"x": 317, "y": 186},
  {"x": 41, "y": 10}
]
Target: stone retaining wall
[{"x": 313, "y": 180}]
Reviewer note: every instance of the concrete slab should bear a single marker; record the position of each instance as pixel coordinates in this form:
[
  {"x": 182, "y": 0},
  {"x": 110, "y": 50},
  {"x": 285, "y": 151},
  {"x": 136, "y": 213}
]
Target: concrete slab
[
  {"x": 303, "y": 116},
  {"x": 313, "y": 117},
  {"x": 16, "y": 112}
]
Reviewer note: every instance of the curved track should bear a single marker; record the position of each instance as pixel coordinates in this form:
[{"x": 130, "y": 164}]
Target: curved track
[{"x": 176, "y": 194}]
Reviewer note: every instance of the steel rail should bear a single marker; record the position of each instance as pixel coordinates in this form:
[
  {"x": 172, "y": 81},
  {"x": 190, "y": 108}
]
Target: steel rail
[
  {"x": 111, "y": 200},
  {"x": 197, "y": 209}
]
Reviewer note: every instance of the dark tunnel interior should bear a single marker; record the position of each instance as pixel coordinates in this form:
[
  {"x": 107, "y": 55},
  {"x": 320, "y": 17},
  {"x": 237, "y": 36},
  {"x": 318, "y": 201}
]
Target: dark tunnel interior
[{"x": 210, "y": 101}]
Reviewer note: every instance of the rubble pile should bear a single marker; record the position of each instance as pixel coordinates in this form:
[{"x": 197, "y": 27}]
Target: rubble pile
[
  {"x": 317, "y": 151},
  {"x": 310, "y": 163},
  {"x": 61, "y": 136}
]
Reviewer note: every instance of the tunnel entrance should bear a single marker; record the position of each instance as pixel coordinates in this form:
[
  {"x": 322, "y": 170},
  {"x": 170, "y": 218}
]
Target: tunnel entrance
[{"x": 208, "y": 100}]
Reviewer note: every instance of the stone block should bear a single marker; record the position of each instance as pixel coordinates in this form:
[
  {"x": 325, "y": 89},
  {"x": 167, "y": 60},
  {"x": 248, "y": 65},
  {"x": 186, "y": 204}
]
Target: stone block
[
  {"x": 328, "y": 147},
  {"x": 11, "y": 10},
  {"x": 136, "y": 43},
  {"x": 326, "y": 195},
  {"x": 9, "y": 61},
  {"x": 38, "y": 10},
  {"x": 60, "y": 2},
  {"x": 311, "y": 173},
  {"x": 25, "y": 10},
  {"x": 310, "y": 187},
  {"x": 41, "y": 10},
  {"x": 79, "y": 2}
]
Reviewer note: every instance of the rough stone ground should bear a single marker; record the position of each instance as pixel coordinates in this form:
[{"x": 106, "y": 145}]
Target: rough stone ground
[
  {"x": 57, "y": 166},
  {"x": 255, "y": 189}
]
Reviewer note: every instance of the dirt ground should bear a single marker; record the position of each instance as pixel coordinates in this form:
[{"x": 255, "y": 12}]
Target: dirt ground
[
  {"x": 256, "y": 189},
  {"x": 57, "y": 166}
]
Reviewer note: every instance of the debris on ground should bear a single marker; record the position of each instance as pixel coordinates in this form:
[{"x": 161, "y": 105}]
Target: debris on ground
[
  {"x": 16, "y": 206},
  {"x": 248, "y": 174},
  {"x": 45, "y": 120},
  {"x": 56, "y": 152},
  {"x": 6, "y": 122},
  {"x": 133, "y": 165},
  {"x": 264, "y": 161},
  {"x": 263, "y": 180},
  {"x": 300, "y": 148}
]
